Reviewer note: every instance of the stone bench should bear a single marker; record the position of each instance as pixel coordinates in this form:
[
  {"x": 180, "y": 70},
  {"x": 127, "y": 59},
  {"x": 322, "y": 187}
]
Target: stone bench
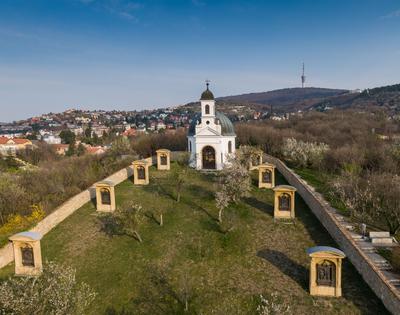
[{"x": 380, "y": 238}]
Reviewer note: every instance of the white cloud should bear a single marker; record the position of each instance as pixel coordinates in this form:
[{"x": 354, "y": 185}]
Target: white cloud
[
  {"x": 393, "y": 14},
  {"x": 123, "y": 8},
  {"x": 198, "y": 3}
]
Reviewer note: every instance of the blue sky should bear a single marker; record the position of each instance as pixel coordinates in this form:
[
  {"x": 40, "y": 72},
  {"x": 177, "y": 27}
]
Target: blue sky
[{"x": 135, "y": 54}]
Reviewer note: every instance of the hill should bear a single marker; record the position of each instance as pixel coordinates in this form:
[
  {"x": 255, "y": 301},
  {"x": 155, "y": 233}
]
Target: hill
[
  {"x": 282, "y": 100},
  {"x": 189, "y": 256},
  {"x": 385, "y": 97},
  {"x": 292, "y": 99},
  {"x": 284, "y": 97}
]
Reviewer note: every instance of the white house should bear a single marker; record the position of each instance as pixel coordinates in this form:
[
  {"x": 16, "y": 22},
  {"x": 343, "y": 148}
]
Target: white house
[
  {"x": 211, "y": 137},
  {"x": 51, "y": 139}
]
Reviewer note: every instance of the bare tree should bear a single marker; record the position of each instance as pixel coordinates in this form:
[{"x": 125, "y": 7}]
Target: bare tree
[
  {"x": 55, "y": 292},
  {"x": 386, "y": 199},
  {"x": 371, "y": 197},
  {"x": 13, "y": 198}
]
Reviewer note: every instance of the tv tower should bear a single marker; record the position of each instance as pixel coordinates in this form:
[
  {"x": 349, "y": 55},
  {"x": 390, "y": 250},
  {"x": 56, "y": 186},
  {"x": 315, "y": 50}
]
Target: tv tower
[{"x": 303, "y": 78}]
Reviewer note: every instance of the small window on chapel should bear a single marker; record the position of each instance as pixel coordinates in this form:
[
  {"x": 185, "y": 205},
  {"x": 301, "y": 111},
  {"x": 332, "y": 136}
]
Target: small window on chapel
[
  {"x": 207, "y": 109},
  {"x": 230, "y": 147}
]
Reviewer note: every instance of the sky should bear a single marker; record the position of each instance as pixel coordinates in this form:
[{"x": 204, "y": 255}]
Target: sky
[{"x": 137, "y": 54}]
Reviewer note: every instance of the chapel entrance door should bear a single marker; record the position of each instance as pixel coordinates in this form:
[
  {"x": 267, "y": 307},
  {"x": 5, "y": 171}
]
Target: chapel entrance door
[{"x": 208, "y": 154}]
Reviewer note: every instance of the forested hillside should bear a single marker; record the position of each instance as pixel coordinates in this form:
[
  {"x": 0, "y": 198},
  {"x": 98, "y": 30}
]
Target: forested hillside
[{"x": 386, "y": 98}]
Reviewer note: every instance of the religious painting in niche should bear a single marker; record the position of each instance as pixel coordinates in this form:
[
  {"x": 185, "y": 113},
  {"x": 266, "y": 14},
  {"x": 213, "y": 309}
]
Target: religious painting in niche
[
  {"x": 163, "y": 159},
  {"x": 267, "y": 176},
  {"x": 27, "y": 256},
  {"x": 141, "y": 172},
  {"x": 326, "y": 273},
  {"x": 105, "y": 196},
  {"x": 284, "y": 202}
]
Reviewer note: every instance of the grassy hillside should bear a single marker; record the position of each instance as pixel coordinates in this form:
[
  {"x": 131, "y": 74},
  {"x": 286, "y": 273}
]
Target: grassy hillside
[{"x": 223, "y": 273}]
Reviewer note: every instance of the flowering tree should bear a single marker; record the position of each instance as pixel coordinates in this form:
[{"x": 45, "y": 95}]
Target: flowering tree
[
  {"x": 304, "y": 153},
  {"x": 247, "y": 155},
  {"x": 129, "y": 219},
  {"x": 272, "y": 305},
  {"x": 55, "y": 292},
  {"x": 234, "y": 184}
]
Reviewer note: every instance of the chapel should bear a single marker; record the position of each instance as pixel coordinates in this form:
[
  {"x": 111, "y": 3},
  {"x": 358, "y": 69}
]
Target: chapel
[{"x": 211, "y": 137}]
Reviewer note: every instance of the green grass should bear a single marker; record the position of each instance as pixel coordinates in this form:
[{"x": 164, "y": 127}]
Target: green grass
[{"x": 226, "y": 272}]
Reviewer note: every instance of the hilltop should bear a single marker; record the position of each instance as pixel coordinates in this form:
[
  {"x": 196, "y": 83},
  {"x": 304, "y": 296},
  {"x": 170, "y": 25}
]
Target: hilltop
[
  {"x": 286, "y": 97},
  {"x": 282, "y": 100},
  {"x": 385, "y": 97},
  {"x": 293, "y": 99}
]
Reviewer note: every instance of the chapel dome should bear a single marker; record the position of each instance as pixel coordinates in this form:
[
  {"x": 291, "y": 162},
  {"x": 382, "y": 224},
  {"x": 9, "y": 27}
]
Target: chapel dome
[
  {"x": 226, "y": 125},
  {"x": 207, "y": 95}
]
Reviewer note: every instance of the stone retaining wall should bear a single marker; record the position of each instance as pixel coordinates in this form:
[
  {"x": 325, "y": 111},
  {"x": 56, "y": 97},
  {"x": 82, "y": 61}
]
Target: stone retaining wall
[
  {"x": 64, "y": 211},
  {"x": 320, "y": 207}
]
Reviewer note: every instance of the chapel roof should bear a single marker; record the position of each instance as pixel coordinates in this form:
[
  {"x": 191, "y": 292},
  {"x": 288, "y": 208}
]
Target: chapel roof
[
  {"x": 207, "y": 95},
  {"x": 227, "y": 128}
]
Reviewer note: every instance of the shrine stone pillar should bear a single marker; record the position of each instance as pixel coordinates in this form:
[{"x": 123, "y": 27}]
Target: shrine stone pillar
[
  {"x": 325, "y": 271},
  {"x": 140, "y": 172},
  {"x": 105, "y": 196},
  {"x": 266, "y": 176},
  {"x": 27, "y": 253},
  {"x": 284, "y": 202},
  {"x": 163, "y": 159}
]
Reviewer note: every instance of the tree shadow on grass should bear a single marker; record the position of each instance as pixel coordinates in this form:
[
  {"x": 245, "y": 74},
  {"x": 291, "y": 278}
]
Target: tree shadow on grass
[
  {"x": 211, "y": 225},
  {"x": 109, "y": 226},
  {"x": 161, "y": 296},
  {"x": 199, "y": 191},
  {"x": 193, "y": 205},
  {"x": 262, "y": 206},
  {"x": 151, "y": 216},
  {"x": 160, "y": 190},
  {"x": 289, "y": 267}
]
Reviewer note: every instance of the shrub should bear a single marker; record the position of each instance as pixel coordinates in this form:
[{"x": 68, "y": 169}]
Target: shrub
[
  {"x": 395, "y": 259},
  {"x": 56, "y": 292},
  {"x": 272, "y": 305},
  {"x": 304, "y": 154}
]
